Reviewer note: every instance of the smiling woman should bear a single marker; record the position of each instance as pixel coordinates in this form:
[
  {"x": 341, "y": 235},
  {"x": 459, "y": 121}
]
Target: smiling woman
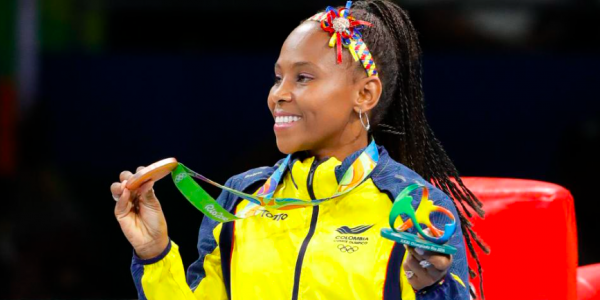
[
  {"x": 353, "y": 127},
  {"x": 323, "y": 97}
]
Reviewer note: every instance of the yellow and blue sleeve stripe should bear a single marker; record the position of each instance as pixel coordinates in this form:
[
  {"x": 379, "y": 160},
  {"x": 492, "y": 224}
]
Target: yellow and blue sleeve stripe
[{"x": 162, "y": 277}]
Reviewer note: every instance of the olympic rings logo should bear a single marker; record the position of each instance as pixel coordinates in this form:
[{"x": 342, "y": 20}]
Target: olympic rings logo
[
  {"x": 180, "y": 177},
  {"x": 347, "y": 249}
]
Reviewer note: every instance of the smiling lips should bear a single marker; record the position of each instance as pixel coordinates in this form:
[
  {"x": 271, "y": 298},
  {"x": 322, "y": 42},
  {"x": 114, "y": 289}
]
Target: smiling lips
[{"x": 286, "y": 121}]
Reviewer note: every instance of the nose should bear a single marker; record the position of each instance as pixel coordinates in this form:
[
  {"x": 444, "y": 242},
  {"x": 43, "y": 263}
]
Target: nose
[{"x": 281, "y": 93}]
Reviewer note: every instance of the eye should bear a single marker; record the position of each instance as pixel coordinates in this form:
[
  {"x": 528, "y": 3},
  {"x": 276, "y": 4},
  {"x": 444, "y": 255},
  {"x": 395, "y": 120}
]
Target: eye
[
  {"x": 277, "y": 80},
  {"x": 303, "y": 78}
]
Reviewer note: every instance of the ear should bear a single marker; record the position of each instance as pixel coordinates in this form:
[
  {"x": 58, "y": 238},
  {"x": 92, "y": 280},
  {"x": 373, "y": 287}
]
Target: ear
[{"x": 369, "y": 92}]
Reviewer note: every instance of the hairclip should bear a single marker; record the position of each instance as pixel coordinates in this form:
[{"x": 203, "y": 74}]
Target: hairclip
[{"x": 345, "y": 31}]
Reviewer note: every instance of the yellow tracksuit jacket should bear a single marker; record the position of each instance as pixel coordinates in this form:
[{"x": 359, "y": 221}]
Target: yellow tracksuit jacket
[{"x": 330, "y": 251}]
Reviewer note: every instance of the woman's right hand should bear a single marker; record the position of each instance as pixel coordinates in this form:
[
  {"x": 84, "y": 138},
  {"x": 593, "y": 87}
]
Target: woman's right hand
[{"x": 141, "y": 217}]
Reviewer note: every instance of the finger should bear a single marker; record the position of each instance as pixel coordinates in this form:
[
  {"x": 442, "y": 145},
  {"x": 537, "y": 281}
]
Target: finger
[
  {"x": 413, "y": 264},
  {"x": 421, "y": 276},
  {"x": 115, "y": 189},
  {"x": 146, "y": 189},
  {"x": 124, "y": 203},
  {"x": 430, "y": 269},
  {"x": 147, "y": 196},
  {"x": 139, "y": 168},
  {"x": 441, "y": 261},
  {"x": 423, "y": 253},
  {"x": 125, "y": 175},
  {"x": 418, "y": 253},
  {"x": 423, "y": 257},
  {"x": 434, "y": 273},
  {"x": 410, "y": 275}
]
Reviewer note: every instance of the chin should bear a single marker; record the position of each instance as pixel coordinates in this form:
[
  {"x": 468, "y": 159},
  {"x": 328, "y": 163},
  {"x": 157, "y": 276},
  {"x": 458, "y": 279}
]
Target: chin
[{"x": 286, "y": 146}]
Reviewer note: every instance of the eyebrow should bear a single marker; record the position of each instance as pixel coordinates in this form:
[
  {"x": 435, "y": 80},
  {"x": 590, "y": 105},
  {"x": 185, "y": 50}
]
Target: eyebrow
[{"x": 298, "y": 64}]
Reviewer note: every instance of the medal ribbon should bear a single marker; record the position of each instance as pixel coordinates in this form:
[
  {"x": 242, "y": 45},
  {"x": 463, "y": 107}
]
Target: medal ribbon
[{"x": 356, "y": 174}]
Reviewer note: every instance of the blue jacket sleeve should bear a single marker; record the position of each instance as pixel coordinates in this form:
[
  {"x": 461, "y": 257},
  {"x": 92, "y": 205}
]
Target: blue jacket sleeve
[
  {"x": 171, "y": 260},
  {"x": 206, "y": 240},
  {"x": 456, "y": 283}
]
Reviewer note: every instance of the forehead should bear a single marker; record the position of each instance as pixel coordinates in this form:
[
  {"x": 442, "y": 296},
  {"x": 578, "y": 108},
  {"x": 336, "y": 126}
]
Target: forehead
[
  {"x": 307, "y": 38},
  {"x": 309, "y": 43}
]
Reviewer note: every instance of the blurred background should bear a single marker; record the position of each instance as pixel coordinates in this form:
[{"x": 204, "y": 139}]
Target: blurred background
[{"x": 89, "y": 88}]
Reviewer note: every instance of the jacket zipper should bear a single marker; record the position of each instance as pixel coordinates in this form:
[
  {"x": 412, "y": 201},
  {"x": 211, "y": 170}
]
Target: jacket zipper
[{"x": 311, "y": 230}]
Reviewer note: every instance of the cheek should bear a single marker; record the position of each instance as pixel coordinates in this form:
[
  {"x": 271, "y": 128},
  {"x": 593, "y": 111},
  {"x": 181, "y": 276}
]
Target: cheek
[{"x": 326, "y": 114}]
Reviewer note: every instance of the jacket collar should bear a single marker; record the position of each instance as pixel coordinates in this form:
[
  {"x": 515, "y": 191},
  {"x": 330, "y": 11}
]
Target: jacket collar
[{"x": 341, "y": 169}]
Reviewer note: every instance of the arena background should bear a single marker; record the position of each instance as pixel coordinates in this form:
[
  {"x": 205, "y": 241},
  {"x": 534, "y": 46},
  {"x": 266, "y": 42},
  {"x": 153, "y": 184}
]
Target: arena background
[{"x": 89, "y": 88}]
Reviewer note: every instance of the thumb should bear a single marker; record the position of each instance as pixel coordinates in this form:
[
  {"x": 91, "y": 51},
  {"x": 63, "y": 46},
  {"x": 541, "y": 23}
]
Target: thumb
[{"x": 147, "y": 197}]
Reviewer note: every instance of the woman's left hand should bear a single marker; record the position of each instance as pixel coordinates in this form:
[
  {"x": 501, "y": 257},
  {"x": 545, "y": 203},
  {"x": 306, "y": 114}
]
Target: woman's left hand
[{"x": 424, "y": 268}]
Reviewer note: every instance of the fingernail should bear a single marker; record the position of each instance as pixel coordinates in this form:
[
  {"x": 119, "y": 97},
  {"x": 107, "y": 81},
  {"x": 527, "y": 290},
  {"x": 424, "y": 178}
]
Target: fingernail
[
  {"x": 115, "y": 197},
  {"x": 425, "y": 264},
  {"x": 419, "y": 251}
]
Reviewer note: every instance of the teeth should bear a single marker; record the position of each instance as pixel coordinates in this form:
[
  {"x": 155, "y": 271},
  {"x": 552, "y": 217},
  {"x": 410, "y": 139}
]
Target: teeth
[{"x": 286, "y": 119}]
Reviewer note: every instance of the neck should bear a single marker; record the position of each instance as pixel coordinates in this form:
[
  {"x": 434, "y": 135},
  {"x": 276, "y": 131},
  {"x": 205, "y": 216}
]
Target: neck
[{"x": 341, "y": 150}]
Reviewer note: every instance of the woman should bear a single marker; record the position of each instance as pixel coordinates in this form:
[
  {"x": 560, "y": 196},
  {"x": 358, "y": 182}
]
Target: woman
[{"x": 327, "y": 104}]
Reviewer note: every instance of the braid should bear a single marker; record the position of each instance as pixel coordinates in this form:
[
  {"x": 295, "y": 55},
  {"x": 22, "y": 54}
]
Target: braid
[{"x": 406, "y": 133}]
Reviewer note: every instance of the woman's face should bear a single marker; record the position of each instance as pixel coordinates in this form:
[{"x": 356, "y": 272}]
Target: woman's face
[{"x": 314, "y": 100}]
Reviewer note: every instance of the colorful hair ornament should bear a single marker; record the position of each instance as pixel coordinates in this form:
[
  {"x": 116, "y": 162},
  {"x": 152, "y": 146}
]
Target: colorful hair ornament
[{"x": 345, "y": 31}]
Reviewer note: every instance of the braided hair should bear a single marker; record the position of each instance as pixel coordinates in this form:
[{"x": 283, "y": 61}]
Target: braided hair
[{"x": 398, "y": 121}]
